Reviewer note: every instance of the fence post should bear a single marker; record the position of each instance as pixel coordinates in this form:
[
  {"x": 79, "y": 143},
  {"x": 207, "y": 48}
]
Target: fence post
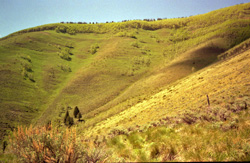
[{"x": 208, "y": 102}]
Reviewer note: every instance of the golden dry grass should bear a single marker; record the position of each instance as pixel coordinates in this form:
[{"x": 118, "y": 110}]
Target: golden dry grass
[{"x": 223, "y": 82}]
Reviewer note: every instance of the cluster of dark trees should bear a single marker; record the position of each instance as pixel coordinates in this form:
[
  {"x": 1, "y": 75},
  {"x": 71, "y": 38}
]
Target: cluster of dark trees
[
  {"x": 78, "y": 22},
  {"x": 69, "y": 121},
  {"x": 149, "y": 20},
  {"x": 108, "y": 21}
]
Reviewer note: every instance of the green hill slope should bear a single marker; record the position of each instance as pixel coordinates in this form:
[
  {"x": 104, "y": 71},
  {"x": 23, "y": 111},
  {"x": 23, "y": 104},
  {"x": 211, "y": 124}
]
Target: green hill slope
[{"x": 110, "y": 69}]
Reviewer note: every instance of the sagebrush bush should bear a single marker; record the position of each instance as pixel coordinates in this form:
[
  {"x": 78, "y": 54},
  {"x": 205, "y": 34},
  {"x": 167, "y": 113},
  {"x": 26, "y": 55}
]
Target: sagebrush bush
[
  {"x": 94, "y": 48},
  {"x": 121, "y": 34},
  {"x": 95, "y": 155},
  {"x": 69, "y": 45},
  {"x": 65, "y": 68},
  {"x": 125, "y": 34},
  {"x": 43, "y": 144},
  {"x": 135, "y": 44},
  {"x": 25, "y": 57},
  {"x": 48, "y": 144},
  {"x": 64, "y": 55},
  {"x": 31, "y": 77},
  {"x": 24, "y": 73},
  {"x": 26, "y": 66}
]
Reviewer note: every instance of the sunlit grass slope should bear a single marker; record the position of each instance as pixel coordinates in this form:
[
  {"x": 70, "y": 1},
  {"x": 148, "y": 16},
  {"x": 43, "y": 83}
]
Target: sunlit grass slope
[
  {"x": 225, "y": 82},
  {"x": 177, "y": 124},
  {"x": 107, "y": 68}
]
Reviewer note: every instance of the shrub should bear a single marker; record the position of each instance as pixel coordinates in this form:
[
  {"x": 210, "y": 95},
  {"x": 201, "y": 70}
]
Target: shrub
[
  {"x": 93, "y": 155},
  {"x": 61, "y": 29},
  {"x": 94, "y": 48},
  {"x": 121, "y": 34},
  {"x": 69, "y": 45},
  {"x": 65, "y": 68},
  {"x": 189, "y": 118},
  {"x": 148, "y": 62},
  {"x": 142, "y": 41},
  {"x": 71, "y": 31},
  {"x": 67, "y": 50},
  {"x": 124, "y": 34},
  {"x": 155, "y": 152},
  {"x": 132, "y": 35},
  {"x": 43, "y": 145},
  {"x": 118, "y": 131},
  {"x": 168, "y": 152},
  {"x": 135, "y": 44},
  {"x": 141, "y": 61},
  {"x": 159, "y": 40},
  {"x": 65, "y": 55},
  {"x": 26, "y": 66},
  {"x": 31, "y": 77},
  {"x": 25, "y": 57},
  {"x": 24, "y": 73},
  {"x": 138, "y": 60}
]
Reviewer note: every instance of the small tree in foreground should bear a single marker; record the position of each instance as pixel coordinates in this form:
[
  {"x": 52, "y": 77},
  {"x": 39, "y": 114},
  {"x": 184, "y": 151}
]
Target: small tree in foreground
[
  {"x": 66, "y": 116},
  {"x": 69, "y": 121},
  {"x": 79, "y": 116},
  {"x": 4, "y": 145},
  {"x": 76, "y": 111}
]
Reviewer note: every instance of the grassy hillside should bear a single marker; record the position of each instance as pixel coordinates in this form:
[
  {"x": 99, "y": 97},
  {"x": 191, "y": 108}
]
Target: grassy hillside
[
  {"x": 133, "y": 80},
  {"x": 177, "y": 124}
]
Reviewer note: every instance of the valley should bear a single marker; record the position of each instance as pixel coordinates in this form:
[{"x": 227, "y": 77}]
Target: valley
[{"x": 142, "y": 87}]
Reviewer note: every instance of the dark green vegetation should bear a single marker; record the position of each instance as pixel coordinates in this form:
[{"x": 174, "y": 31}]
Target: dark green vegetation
[{"x": 140, "y": 86}]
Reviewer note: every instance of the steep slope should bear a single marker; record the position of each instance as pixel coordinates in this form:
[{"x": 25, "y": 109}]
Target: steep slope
[
  {"x": 226, "y": 83},
  {"x": 177, "y": 124}
]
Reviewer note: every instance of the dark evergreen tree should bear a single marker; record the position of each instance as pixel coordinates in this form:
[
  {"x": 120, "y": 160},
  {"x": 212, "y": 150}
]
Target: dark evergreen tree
[
  {"x": 4, "y": 145},
  {"x": 76, "y": 111},
  {"x": 66, "y": 116},
  {"x": 69, "y": 121},
  {"x": 79, "y": 116}
]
